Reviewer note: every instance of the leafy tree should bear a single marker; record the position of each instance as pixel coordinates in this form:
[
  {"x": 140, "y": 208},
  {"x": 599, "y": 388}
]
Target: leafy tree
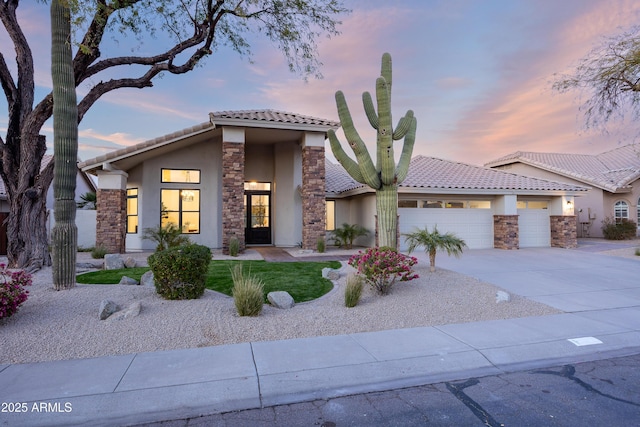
[
  {"x": 432, "y": 241},
  {"x": 609, "y": 75},
  {"x": 198, "y": 27},
  {"x": 64, "y": 236},
  {"x": 384, "y": 176}
]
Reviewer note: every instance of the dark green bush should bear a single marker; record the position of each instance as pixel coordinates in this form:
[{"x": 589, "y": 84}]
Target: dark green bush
[
  {"x": 180, "y": 273},
  {"x": 623, "y": 230}
]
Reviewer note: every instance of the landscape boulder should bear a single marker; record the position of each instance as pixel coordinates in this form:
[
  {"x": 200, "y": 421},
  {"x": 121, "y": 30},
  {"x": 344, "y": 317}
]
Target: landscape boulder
[
  {"x": 107, "y": 308},
  {"x": 113, "y": 262},
  {"x": 280, "y": 299},
  {"x": 147, "y": 279},
  {"x": 125, "y": 280},
  {"x": 330, "y": 273},
  {"x": 132, "y": 311},
  {"x": 129, "y": 262}
]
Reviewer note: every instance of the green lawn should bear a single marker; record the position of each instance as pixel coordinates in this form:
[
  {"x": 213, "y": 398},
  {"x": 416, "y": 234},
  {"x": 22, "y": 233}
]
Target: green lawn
[{"x": 302, "y": 280}]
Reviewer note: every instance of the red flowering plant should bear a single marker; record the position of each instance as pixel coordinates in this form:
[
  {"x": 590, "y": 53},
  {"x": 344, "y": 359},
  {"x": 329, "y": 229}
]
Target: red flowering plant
[
  {"x": 12, "y": 292},
  {"x": 382, "y": 267}
]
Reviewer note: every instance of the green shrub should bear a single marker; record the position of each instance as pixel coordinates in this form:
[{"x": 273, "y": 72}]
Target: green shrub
[
  {"x": 320, "y": 245},
  {"x": 347, "y": 233},
  {"x": 382, "y": 267},
  {"x": 98, "y": 252},
  {"x": 353, "y": 290},
  {"x": 234, "y": 246},
  {"x": 637, "y": 251},
  {"x": 623, "y": 230},
  {"x": 248, "y": 292},
  {"x": 169, "y": 236},
  {"x": 181, "y": 272}
]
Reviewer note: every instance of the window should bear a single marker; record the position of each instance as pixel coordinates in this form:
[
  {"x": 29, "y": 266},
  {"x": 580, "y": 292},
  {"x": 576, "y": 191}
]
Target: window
[
  {"x": 331, "y": 215},
  {"x": 620, "y": 211},
  {"x": 532, "y": 204},
  {"x": 132, "y": 210},
  {"x": 182, "y": 208},
  {"x": 454, "y": 204},
  {"x": 182, "y": 176},
  {"x": 407, "y": 203},
  {"x": 257, "y": 186},
  {"x": 432, "y": 204},
  {"x": 479, "y": 204}
]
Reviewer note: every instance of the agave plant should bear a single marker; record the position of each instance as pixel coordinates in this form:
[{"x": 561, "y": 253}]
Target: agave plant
[{"x": 432, "y": 241}]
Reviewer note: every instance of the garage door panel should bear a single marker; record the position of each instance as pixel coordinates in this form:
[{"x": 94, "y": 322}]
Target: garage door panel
[
  {"x": 474, "y": 226},
  {"x": 534, "y": 228}
]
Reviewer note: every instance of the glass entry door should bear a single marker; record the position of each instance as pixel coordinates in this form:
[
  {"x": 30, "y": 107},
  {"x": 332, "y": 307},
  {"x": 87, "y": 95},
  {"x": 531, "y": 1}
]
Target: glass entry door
[{"x": 257, "y": 205}]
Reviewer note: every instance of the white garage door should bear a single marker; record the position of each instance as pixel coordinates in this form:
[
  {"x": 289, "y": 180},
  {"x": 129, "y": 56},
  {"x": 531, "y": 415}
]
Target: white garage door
[
  {"x": 474, "y": 226},
  {"x": 534, "y": 228}
]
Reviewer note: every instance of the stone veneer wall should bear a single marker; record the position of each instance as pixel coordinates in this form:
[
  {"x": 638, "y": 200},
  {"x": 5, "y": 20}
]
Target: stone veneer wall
[
  {"x": 232, "y": 194},
  {"x": 505, "y": 232},
  {"x": 313, "y": 196},
  {"x": 111, "y": 220},
  {"x": 564, "y": 231}
]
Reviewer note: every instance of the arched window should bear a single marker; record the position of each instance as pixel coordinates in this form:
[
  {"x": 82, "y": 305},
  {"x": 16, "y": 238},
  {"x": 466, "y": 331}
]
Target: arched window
[{"x": 621, "y": 210}]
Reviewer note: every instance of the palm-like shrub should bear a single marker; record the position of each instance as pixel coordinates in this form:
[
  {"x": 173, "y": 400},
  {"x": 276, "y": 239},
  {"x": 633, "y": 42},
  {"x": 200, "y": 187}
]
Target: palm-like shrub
[
  {"x": 169, "y": 236},
  {"x": 347, "y": 233},
  {"x": 432, "y": 241},
  {"x": 88, "y": 201}
]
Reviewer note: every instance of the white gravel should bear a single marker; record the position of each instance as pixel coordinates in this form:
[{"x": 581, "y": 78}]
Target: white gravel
[{"x": 59, "y": 325}]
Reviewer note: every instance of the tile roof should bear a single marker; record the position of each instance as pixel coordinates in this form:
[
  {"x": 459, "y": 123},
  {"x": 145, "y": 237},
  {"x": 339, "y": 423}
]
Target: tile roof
[
  {"x": 612, "y": 170},
  {"x": 272, "y": 116},
  {"x": 444, "y": 175}
]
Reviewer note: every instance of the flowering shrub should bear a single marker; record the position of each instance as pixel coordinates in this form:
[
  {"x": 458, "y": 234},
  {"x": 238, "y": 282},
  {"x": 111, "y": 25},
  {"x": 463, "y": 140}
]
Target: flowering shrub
[
  {"x": 12, "y": 292},
  {"x": 382, "y": 267}
]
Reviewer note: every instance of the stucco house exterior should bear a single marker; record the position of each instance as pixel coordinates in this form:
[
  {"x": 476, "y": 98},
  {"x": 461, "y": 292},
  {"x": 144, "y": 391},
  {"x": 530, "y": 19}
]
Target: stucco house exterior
[
  {"x": 261, "y": 176},
  {"x": 485, "y": 207},
  {"x": 614, "y": 178}
]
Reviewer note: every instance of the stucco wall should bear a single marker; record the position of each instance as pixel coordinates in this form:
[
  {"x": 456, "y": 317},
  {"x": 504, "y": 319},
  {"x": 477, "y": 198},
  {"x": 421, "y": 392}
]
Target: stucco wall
[{"x": 286, "y": 200}]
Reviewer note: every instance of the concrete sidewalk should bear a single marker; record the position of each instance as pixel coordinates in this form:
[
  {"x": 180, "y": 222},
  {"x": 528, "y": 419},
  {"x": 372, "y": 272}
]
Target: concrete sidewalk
[{"x": 600, "y": 294}]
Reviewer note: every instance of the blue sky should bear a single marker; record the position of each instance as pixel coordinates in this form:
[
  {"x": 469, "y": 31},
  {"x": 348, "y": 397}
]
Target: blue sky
[{"x": 477, "y": 74}]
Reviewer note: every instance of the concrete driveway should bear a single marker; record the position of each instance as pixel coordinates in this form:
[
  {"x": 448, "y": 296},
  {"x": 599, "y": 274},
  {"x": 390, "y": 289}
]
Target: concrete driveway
[{"x": 571, "y": 280}]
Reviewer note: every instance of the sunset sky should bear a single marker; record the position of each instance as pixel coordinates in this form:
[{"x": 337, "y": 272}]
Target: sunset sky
[{"x": 477, "y": 74}]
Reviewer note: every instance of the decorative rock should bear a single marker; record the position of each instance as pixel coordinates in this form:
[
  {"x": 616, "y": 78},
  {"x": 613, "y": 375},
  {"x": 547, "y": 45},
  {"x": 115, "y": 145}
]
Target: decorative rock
[
  {"x": 132, "y": 311},
  {"x": 113, "y": 262},
  {"x": 107, "y": 308},
  {"x": 502, "y": 296},
  {"x": 128, "y": 281},
  {"x": 147, "y": 279},
  {"x": 280, "y": 299},
  {"x": 129, "y": 262},
  {"x": 330, "y": 273}
]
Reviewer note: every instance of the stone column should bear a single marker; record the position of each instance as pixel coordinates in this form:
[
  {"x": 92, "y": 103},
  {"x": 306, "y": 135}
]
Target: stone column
[
  {"x": 313, "y": 191},
  {"x": 564, "y": 231},
  {"x": 232, "y": 187},
  {"x": 111, "y": 211},
  {"x": 505, "y": 232}
]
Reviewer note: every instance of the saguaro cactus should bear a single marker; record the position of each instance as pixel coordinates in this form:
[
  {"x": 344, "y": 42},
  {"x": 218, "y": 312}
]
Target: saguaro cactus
[
  {"x": 385, "y": 176},
  {"x": 64, "y": 236}
]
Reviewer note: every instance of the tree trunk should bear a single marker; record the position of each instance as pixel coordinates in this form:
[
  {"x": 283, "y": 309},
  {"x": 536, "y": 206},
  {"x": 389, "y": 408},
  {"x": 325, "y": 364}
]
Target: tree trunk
[
  {"x": 28, "y": 246},
  {"x": 387, "y": 211},
  {"x": 432, "y": 260},
  {"x": 64, "y": 237}
]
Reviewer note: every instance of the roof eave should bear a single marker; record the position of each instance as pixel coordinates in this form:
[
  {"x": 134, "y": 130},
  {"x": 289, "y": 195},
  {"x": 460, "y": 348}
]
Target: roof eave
[{"x": 265, "y": 124}]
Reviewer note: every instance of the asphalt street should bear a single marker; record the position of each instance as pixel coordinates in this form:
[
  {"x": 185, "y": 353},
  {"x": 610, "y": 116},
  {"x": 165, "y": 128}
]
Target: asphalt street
[{"x": 600, "y": 393}]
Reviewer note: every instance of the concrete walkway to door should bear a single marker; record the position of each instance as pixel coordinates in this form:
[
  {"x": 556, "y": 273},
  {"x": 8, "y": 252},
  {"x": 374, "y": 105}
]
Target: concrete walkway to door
[{"x": 274, "y": 254}]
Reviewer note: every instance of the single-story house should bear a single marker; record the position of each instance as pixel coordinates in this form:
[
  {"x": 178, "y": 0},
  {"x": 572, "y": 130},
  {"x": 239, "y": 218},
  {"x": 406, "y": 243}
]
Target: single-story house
[
  {"x": 614, "y": 177},
  {"x": 261, "y": 177},
  {"x": 84, "y": 184}
]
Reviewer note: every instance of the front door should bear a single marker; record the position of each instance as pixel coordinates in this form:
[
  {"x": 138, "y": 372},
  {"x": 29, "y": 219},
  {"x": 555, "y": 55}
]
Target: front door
[{"x": 258, "y": 217}]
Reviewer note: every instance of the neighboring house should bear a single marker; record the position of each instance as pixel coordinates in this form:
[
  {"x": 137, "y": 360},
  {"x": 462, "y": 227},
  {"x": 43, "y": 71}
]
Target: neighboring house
[
  {"x": 260, "y": 176},
  {"x": 485, "y": 207},
  {"x": 614, "y": 177},
  {"x": 86, "y": 222}
]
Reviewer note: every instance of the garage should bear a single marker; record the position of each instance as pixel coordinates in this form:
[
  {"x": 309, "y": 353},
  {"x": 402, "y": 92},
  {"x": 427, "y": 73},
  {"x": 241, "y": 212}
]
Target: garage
[
  {"x": 534, "y": 225},
  {"x": 474, "y": 226}
]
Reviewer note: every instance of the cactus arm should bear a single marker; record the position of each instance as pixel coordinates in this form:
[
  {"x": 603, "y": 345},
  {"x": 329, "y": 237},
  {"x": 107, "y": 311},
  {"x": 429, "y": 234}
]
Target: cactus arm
[
  {"x": 367, "y": 170},
  {"x": 370, "y": 110},
  {"x": 407, "y": 151},
  {"x": 386, "y": 160},
  {"x": 403, "y": 126},
  {"x": 352, "y": 168}
]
